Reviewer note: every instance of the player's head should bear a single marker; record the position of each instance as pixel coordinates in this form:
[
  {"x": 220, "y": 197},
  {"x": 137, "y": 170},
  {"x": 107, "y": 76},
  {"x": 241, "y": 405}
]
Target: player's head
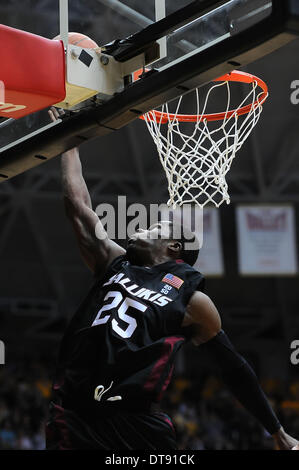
[{"x": 162, "y": 241}]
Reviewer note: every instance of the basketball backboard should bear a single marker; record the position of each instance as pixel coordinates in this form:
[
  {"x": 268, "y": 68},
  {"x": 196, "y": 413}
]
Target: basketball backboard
[
  {"x": 219, "y": 20},
  {"x": 199, "y": 41}
]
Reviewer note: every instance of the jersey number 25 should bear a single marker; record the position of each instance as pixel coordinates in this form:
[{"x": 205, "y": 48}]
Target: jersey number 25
[{"x": 122, "y": 304}]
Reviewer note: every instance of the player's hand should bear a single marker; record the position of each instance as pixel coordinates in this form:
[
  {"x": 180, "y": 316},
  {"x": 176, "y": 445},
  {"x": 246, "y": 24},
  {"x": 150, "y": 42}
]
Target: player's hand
[
  {"x": 285, "y": 442},
  {"x": 55, "y": 113}
]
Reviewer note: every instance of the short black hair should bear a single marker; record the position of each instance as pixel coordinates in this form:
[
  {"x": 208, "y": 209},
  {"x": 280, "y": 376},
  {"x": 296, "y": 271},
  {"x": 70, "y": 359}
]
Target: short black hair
[{"x": 182, "y": 234}]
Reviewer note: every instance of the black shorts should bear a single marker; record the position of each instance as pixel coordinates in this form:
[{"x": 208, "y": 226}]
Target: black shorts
[{"x": 132, "y": 431}]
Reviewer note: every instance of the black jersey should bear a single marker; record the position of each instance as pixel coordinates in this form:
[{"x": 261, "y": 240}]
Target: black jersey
[{"x": 118, "y": 351}]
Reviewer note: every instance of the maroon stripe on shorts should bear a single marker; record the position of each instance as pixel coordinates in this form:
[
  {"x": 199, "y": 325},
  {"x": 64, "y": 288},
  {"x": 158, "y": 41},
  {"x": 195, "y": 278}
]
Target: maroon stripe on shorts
[
  {"x": 168, "y": 421},
  {"x": 62, "y": 428}
]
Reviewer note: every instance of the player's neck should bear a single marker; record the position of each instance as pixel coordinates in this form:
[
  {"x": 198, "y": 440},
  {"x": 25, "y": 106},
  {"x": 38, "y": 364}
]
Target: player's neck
[{"x": 156, "y": 260}]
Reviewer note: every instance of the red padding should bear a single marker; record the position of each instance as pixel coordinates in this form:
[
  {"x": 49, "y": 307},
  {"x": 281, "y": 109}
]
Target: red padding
[{"x": 32, "y": 72}]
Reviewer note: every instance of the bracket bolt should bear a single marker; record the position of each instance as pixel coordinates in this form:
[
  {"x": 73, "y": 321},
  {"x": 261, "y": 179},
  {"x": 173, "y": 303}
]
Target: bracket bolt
[
  {"x": 104, "y": 59},
  {"x": 74, "y": 54}
]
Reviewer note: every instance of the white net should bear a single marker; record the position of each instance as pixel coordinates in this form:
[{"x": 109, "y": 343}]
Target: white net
[{"x": 197, "y": 160}]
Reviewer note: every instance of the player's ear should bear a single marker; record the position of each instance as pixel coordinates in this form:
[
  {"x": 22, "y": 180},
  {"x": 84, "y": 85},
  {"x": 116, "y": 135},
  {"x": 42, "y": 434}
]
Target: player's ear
[{"x": 175, "y": 246}]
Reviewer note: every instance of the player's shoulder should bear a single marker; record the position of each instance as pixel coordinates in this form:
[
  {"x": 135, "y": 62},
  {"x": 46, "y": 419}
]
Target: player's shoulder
[
  {"x": 189, "y": 272},
  {"x": 177, "y": 268},
  {"x": 180, "y": 273},
  {"x": 114, "y": 267}
]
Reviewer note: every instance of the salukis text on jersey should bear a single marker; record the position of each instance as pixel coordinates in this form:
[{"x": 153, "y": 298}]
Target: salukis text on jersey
[{"x": 138, "y": 291}]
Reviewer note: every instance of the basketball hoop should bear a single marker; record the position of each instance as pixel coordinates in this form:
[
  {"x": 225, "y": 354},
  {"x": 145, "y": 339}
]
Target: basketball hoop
[{"x": 196, "y": 163}]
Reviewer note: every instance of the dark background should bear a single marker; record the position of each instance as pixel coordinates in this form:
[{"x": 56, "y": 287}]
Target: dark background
[{"x": 42, "y": 278}]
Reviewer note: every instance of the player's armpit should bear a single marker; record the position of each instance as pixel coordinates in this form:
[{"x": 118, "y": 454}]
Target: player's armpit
[
  {"x": 97, "y": 250},
  {"x": 203, "y": 317}
]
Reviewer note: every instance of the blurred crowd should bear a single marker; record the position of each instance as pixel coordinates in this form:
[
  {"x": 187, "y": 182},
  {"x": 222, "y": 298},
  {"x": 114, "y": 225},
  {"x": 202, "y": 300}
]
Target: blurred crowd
[
  {"x": 25, "y": 391},
  {"x": 205, "y": 414},
  {"x": 208, "y": 417}
]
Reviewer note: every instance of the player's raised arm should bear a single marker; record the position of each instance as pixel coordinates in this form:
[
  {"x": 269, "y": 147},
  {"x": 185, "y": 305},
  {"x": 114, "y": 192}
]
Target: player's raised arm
[
  {"x": 236, "y": 373},
  {"x": 97, "y": 250}
]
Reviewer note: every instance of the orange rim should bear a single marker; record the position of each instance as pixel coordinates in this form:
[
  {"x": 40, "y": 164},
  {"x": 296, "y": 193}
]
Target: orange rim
[{"x": 234, "y": 76}]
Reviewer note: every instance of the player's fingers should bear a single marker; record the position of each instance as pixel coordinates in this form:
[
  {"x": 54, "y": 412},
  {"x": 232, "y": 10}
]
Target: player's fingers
[
  {"x": 296, "y": 447},
  {"x": 55, "y": 112},
  {"x": 51, "y": 114}
]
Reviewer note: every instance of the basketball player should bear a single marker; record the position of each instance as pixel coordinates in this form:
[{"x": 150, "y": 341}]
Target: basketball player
[{"x": 117, "y": 355}]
